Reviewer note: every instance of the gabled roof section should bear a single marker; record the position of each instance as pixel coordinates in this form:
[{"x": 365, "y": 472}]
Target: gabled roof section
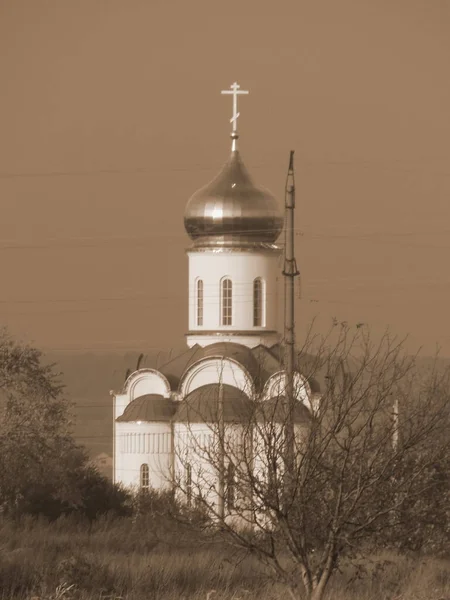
[
  {"x": 268, "y": 364},
  {"x": 276, "y": 351},
  {"x": 307, "y": 365},
  {"x": 175, "y": 368},
  {"x": 314, "y": 371}
]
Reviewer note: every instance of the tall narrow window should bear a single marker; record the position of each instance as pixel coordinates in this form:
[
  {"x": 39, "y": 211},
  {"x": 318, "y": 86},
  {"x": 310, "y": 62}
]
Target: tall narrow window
[
  {"x": 231, "y": 492},
  {"x": 227, "y": 302},
  {"x": 145, "y": 477},
  {"x": 199, "y": 302},
  {"x": 257, "y": 302},
  {"x": 189, "y": 484}
]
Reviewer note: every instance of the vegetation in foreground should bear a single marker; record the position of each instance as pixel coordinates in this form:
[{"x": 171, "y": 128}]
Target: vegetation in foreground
[
  {"x": 67, "y": 532},
  {"x": 119, "y": 558}
]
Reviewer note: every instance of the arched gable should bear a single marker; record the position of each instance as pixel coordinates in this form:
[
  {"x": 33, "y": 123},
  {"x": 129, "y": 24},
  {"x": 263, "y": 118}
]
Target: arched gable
[
  {"x": 276, "y": 384},
  {"x": 146, "y": 381},
  {"x": 214, "y": 369}
]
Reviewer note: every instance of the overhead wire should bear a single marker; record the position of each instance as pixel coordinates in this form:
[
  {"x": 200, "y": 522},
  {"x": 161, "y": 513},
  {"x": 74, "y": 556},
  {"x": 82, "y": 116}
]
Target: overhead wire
[
  {"x": 147, "y": 300},
  {"x": 145, "y": 170},
  {"x": 100, "y": 241},
  {"x": 96, "y": 241},
  {"x": 385, "y": 165}
]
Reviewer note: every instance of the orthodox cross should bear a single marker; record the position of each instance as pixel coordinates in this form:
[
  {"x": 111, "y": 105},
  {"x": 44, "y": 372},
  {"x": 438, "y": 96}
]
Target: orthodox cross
[{"x": 235, "y": 90}]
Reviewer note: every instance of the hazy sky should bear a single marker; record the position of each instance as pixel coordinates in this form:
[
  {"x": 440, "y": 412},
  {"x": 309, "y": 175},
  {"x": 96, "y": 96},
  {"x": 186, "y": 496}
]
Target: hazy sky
[{"x": 111, "y": 117}]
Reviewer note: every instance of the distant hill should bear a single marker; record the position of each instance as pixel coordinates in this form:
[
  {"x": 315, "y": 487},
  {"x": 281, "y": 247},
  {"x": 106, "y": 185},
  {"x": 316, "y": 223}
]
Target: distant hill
[{"x": 90, "y": 376}]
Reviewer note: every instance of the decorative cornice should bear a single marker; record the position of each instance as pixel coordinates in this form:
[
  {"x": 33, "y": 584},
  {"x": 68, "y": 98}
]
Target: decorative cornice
[
  {"x": 255, "y": 248},
  {"x": 234, "y": 332}
]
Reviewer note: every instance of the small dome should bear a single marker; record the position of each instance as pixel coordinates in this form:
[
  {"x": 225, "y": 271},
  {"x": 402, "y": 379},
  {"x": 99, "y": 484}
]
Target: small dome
[
  {"x": 231, "y": 211},
  {"x": 149, "y": 408},
  {"x": 202, "y": 405},
  {"x": 272, "y": 411}
]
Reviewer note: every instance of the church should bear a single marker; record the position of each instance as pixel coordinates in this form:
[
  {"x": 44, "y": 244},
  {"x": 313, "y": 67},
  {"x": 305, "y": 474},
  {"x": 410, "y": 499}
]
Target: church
[{"x": 234, "y": 355}]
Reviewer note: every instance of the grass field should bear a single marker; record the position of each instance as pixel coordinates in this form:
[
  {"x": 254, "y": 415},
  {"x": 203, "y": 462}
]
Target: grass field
[{"x": 119, "y": 559}]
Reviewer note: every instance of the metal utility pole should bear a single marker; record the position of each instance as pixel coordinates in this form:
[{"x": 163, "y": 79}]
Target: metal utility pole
[
  {"x": 395, "y": 425},
  {"x": 290, "y": 272},
  {"x": 221, "y": 432}
]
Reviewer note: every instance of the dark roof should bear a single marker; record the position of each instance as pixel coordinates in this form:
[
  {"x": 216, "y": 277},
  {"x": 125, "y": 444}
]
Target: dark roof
[
  {"x": 257, "y": 368},
  {"x": 268, "y": 364},
  {"x": 272, "y": 410},
  {"x": 202, "y": 405},
  {"x": 261, "y": 362},
  {"x": 175, "y": 368},
  {"x": 242, "y": 354},
  {"x": 308, "y": 365},
  {"x": 150, "y": 408}
]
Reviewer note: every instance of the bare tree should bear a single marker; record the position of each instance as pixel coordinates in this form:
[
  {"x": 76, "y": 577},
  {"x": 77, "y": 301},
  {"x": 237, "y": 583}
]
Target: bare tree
[{"x": 361, "y": 454}]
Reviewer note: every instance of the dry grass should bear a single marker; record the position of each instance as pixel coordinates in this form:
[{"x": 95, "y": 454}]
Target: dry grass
[{"x": 116, "y": 560}]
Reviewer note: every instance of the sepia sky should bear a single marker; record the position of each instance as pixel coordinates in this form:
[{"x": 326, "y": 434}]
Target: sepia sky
[{"x": 111, "y": 117}]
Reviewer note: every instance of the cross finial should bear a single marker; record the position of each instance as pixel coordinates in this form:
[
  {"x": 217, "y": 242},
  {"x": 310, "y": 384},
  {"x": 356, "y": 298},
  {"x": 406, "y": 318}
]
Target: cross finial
[{"x": 235, "y": 90}]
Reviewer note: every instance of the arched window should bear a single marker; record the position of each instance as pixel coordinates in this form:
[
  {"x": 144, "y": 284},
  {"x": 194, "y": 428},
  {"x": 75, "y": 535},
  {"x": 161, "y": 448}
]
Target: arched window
[
  {"x": 231, "y": 491},
  {"x": 258, "y": 303},
  {"x": 145, "y": 477},
  {"x": 199, "y": 301},
  {"x": 227, "y": 302}
]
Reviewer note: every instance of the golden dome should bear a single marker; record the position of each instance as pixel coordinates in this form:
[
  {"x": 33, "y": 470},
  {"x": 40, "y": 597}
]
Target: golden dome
[{"x": 231, "y": 211}]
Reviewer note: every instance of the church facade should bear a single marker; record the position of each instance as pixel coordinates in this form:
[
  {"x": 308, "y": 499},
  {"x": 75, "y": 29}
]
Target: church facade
[{"x": 233, "y": 360}]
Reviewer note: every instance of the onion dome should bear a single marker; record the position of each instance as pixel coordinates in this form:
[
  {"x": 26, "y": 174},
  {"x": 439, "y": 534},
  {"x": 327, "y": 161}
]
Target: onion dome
[
  {"x": 149, "y": 408},
  {"x": 202, "y": 405},
  {"x": 232, "y": 211}
]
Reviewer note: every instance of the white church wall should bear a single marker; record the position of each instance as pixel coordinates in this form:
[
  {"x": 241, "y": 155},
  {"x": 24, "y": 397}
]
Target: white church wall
[
  {"x": 193, "y": 444},
  {"x": 196, "y": 450},
  {"x": 263, "y": 453},
  {"x": 242, "y": 268},
  {"x": 143, "y": 443},
  {"x": 210, "y": 370},
  {"x": 120, "y": 403}
]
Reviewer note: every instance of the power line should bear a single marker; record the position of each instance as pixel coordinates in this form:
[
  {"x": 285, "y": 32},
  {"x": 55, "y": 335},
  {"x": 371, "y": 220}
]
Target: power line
[
  {"x": 141, "y": 298},
  {"x": 312, "y": 283},
  {"x": 240, "y": 299},
  {"x": 87, "y": 173},
  {"x": 200, "y": 167},
  {"x": 97, "y": 241}
]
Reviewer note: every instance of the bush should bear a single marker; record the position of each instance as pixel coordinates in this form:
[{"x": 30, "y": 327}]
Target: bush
[{"x": 93, "y": 495}]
